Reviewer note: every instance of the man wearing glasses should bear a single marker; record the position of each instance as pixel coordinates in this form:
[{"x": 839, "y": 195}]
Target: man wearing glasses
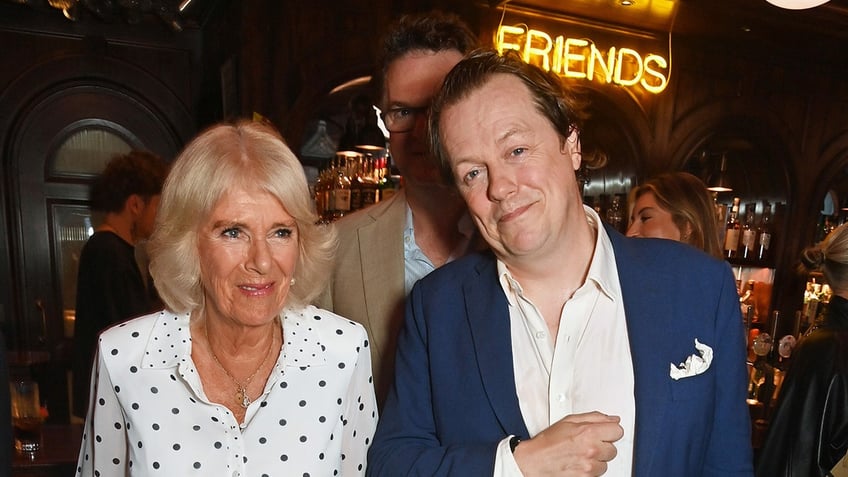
[{"x": 384, "y": 249}]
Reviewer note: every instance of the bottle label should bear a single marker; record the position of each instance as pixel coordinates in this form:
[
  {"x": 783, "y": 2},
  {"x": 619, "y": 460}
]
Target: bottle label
[
  {"x": 355, "y": 199},
  {"x": 748, "y": 239},
  {"x": 765, "y": 240},
  {"x": 342, "y": 200},
  {"x": 369, "y": 197},
  {"x": 731, "y": 239}
]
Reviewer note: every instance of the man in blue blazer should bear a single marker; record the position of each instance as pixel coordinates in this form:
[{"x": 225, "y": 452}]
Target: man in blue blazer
[{"x": 568, "y": 349}]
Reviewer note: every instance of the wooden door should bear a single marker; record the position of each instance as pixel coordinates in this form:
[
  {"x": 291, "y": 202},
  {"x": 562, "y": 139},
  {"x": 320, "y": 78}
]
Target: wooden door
[{"x": 58, "y": 146}]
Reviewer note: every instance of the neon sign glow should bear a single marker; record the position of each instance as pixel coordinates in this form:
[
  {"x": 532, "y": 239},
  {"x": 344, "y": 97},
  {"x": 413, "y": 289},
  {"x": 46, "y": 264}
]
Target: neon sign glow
[{"x": 581, "y": 58}]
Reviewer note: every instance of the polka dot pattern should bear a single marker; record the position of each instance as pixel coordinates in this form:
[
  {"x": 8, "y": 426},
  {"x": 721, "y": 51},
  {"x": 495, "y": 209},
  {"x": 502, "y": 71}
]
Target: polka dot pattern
[{"x": 151, "y": 417}]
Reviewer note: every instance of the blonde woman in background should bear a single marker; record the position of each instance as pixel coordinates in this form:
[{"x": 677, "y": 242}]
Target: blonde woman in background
[
  {"x": 675, "y": 206},
  {"x": 809, "y": 432}
]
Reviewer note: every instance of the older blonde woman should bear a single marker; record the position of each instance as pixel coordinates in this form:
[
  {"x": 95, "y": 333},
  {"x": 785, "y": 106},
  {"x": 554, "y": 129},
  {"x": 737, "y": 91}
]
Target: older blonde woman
[{"x": 238, "y": 376}]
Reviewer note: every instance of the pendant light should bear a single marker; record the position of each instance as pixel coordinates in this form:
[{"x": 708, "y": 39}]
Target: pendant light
[
  {"x": 721, "y": 182},
  {"x": 797, "y": 4}
]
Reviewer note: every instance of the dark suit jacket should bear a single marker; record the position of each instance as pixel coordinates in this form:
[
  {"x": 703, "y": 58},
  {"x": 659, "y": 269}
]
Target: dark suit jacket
[{"x": 454, "y": 395}]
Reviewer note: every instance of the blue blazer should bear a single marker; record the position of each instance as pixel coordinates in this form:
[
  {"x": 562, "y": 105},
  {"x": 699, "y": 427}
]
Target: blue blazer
[{"x": 454, "y": 396}]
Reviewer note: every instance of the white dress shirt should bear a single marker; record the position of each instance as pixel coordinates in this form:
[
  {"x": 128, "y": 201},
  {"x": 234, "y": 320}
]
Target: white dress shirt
[
  {"x": 587, "y": 367},
  {"x": 149, "y": 414}
]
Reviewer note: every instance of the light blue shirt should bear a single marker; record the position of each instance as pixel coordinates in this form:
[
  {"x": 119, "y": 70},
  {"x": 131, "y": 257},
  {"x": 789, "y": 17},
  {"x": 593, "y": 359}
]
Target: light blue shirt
[{"x": 416, "y": 264}]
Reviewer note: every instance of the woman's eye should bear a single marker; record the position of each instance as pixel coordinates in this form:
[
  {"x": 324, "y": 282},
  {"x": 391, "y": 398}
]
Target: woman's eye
[
  {"x": 231, "y": 233},
  {"x": 283, "y": 233},
  {"x": 519, "y": 151}
]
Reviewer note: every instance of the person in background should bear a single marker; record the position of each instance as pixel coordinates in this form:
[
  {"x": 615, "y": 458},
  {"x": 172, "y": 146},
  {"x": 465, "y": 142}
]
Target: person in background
[
  {"x": 808, "y": 434},
  {"x": 676, "y": 206},
  {"x": 387, "y": 247},
  {"x": 238, "y": 375},
  {"x": 110, "y": 286},
  {"x": 5, "y": 413},
  {"x": 567, "y": 349}
]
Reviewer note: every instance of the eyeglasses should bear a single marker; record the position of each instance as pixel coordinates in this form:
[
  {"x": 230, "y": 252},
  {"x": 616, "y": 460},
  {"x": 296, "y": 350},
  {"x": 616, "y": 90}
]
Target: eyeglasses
[{"x": 398, "y": 120}]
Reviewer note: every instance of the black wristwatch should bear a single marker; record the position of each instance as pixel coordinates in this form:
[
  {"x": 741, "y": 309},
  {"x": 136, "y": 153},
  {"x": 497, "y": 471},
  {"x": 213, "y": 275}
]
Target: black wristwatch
[{"x": 513, "y": 443}]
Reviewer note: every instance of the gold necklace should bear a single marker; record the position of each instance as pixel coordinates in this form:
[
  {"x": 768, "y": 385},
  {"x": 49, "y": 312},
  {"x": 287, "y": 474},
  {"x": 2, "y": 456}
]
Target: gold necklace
[{"x": 241, "y": 388}]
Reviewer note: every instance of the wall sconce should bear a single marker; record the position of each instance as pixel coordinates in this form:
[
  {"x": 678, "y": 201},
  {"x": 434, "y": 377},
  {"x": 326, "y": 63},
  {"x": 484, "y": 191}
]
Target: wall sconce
[{"x": 720, "y": 182}]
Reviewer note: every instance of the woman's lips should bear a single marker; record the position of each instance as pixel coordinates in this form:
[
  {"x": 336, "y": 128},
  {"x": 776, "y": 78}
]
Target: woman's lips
[{"x": 256, "y": 289}]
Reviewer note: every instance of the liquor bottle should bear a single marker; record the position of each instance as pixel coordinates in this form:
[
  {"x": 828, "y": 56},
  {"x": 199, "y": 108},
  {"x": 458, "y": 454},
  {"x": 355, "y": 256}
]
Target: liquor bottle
[
  {"x": 764, "y": 234},
  {"x": 731, "y": 234},
  {"x": 748, "y": 303},
  {"x": 328, "y": 198},
  {"x": 354, "y": 174},
  {"x": 748, "y": 235},
  {"x": 721, "y": 214},
  {"x": 374, "y": 158},
  {"x": 389, "y": 186},
  {"x": 340, "y": 193},
  {"x": 761, "y": 383},
  {"x": 615, "y": 214},
  {"x": 320, "y": 195},
  {"x": 368, "y": 181},
  {"x": 385, "y": 184}
]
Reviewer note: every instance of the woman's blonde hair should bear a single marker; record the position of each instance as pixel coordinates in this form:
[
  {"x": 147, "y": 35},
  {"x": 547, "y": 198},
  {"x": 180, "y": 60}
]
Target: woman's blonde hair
[
  {"x": 247, "y": 154},
  {"x": 686, "y": 198},
  {"x": 831, "y": 257}
]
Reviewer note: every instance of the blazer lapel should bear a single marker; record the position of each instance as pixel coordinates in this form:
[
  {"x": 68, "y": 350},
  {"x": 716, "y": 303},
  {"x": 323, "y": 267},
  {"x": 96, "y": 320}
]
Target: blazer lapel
[{"x": 488, "y": 316}]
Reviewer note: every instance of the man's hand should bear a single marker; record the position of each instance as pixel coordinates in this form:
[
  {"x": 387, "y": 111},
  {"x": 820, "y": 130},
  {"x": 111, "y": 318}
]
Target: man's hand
[{"x": 578, "y": 445}]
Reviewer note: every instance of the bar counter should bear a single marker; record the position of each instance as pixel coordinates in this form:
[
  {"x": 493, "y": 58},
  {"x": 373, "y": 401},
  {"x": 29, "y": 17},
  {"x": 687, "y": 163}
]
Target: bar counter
[{"x": 58, "y": 454}]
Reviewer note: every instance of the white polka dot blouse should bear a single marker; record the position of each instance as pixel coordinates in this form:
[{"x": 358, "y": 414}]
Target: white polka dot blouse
[{"x": 149, "y": 416}]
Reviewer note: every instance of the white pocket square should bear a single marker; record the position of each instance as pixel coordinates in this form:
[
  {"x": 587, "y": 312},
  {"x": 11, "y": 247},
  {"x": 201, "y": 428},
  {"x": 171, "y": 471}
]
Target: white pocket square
[{"x": 695, "y": 364}]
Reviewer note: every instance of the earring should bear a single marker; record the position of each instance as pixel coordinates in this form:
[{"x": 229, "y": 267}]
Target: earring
[{"x": 292, "y": 282}]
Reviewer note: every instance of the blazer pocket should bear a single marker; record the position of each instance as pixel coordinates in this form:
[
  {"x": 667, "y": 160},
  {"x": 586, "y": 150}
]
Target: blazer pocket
[{"x": 690, "y": 388}]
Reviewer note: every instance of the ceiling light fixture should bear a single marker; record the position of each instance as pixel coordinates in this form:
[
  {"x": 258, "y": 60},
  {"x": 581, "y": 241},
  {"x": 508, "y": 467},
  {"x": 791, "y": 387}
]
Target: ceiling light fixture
[
  {"x": 797, "y": 4},
  {"x": 627, "y": 3},
  {"x": 720, "y": 182}
]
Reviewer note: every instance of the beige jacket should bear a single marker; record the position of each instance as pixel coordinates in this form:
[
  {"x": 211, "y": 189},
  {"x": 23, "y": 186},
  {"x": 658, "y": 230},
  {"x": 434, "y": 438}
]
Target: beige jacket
[{"x": 367, "y": 284}]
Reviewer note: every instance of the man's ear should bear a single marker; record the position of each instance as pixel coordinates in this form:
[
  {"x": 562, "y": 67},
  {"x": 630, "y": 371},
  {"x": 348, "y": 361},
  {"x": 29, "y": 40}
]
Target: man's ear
[
  {"x": 571, "y": 148},
  {"x": 134, "y": 204}
]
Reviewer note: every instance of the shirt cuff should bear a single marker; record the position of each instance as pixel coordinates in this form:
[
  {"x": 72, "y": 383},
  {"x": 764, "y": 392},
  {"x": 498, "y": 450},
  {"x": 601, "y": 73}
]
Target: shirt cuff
[{"x": 505, "y": 465}]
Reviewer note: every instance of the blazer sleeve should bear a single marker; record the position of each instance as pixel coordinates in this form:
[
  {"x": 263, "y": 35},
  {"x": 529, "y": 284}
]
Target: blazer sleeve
[
  {"x": 407, "y": 439},
  {"x": 729, "y": 449}
]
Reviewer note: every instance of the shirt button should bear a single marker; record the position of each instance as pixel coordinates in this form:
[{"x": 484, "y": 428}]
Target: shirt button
[
  {"x": 540, "y": 335},
  {"x": 561, "y": 397}
]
